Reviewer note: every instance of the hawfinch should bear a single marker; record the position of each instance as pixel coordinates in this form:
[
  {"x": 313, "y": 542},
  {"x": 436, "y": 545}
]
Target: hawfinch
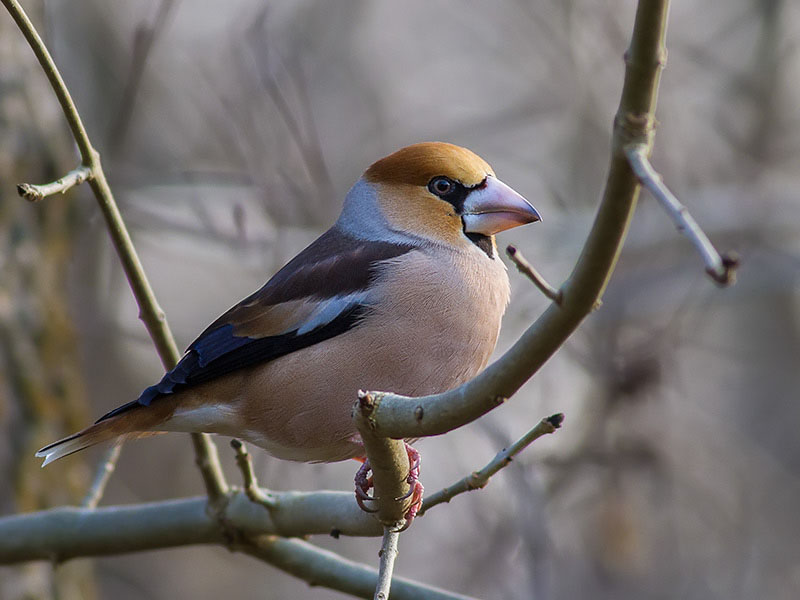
[{"x": 404, "y": 293}]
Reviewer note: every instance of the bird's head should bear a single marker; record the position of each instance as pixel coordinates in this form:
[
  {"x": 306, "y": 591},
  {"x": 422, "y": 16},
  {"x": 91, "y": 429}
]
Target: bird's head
[{"x": 435, "y": 191}]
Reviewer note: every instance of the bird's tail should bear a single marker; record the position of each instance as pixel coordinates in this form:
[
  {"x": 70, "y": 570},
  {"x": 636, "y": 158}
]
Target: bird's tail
[
  {"x": 130, "y": 424},
  {"x": 77, "y": 441}
]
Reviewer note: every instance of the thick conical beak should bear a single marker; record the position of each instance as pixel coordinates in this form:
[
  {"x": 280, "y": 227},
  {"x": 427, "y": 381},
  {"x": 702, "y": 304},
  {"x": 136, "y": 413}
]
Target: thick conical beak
[{"x": 495, "y": 207}]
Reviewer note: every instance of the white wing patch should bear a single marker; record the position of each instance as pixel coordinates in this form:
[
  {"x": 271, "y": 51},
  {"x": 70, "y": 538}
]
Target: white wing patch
[{"x": 331, "y": 308}]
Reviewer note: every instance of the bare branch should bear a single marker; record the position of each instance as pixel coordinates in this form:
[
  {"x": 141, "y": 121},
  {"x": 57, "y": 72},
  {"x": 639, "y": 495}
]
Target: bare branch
[
  {"x": 70, "y": 532},
  {"x": 107, "y": 465},
  {"x": 67, "y": 532},
  {"x": 721, "y": 269},
  {"x": 388, "y": 554},
  {"x": 149, "y": 311},
  {"x": 528, "y": 270},
  {"x": 478, "y": 479},
  {"x": 34, "y": 193},
  {"x": 245, "y": 463}
]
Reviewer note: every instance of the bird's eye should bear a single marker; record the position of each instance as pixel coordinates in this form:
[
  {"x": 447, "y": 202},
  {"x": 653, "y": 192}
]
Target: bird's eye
[{"x": 441, "y": 186}]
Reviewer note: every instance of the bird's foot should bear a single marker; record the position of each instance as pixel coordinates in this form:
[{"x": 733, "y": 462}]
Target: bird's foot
[
  {"x": 363, "y": 481},
  {"x": 416, "y": 488}
]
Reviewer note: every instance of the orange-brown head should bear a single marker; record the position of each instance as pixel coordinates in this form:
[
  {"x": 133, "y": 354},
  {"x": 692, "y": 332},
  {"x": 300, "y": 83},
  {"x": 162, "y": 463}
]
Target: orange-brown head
[{"x": 434, "y": 191}]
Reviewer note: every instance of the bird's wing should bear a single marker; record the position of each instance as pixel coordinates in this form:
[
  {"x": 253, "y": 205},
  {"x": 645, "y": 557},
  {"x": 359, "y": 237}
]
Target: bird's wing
[{"x": 319, "y": 294}]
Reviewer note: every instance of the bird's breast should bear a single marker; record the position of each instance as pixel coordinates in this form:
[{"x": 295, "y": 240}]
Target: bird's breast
[{"x": 439, "y": 317}]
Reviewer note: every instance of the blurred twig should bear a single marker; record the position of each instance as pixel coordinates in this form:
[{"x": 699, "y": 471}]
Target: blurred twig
[
  {"x": 107, "y": 465},
  {"x": 308, "y": 142},
  {"x": 143, "y": 42},
  {"x": 150, "y": 312}
]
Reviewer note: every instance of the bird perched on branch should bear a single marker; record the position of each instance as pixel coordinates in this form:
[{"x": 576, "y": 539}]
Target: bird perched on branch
[{"x": 404, "y": 293}]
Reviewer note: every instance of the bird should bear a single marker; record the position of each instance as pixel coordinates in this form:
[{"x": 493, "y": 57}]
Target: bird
[{"x": 404, "y": 293}]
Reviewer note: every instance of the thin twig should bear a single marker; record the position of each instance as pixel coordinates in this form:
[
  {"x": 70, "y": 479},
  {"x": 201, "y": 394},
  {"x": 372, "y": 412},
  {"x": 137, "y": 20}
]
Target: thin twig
[
  {"x": 34, "y": 193},
  {"x": 206, "y": 457},
  {"x": 478, "y": 479},
  {"x": 102, "y": 475},
  {"x": 528, "y": 270},
  {"x": 391, "y": 537},
  {"x": 150, "y": 312},
  {"x": 143, "y": 41},
  {"x": 310, "y": 149},
  {"x": 245, "y": 463},
  {"x": 721, "y": 268},
  {"x": 324, "y": 568}
]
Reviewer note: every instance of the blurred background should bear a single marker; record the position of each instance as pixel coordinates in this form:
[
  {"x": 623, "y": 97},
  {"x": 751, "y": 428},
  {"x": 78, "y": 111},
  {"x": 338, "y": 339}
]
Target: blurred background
[{"x": 230, "y": 137}]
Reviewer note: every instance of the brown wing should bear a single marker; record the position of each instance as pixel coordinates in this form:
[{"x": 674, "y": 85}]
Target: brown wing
[{"x": 319, "y": 294}]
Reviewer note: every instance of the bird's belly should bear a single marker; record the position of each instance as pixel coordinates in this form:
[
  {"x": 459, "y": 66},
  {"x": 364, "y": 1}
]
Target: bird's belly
[
  {"x": 193, "y": 414},
  {"x": 300, "y": 409},
  {"x": 334, "y": 451}
]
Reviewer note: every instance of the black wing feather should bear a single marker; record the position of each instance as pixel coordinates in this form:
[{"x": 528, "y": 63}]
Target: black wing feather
[{"x": 232, "y": 353}]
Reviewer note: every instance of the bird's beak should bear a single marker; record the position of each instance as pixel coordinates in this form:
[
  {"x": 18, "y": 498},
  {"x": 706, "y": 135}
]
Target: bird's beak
[{"x": 495, "y": 207}]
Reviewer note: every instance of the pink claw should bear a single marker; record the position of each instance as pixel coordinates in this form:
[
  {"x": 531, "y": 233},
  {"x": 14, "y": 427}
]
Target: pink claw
[
  {"x": 363, "y": 482},
  {"x": 417, "y": 489}
]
